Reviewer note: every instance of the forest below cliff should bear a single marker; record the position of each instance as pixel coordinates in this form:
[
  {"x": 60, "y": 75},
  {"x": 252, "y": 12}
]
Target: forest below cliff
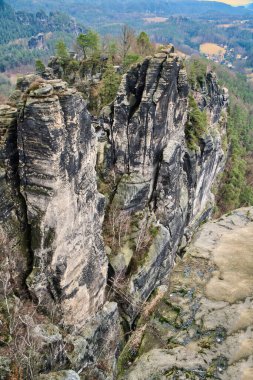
[
  {"x": 186, "y": 24},
  {"x": 17, "y": 29}
]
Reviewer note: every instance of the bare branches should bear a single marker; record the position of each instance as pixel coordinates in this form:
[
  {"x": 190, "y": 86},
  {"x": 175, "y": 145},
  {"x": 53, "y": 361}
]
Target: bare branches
[{"x": 127, "y": 38}]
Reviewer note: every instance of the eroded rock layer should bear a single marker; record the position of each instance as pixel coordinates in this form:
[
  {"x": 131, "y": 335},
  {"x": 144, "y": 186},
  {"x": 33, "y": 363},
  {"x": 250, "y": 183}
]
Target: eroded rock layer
[
  {"x": 202, "y": 327},
  {"x": 64, "y": 211},
  {"x": 160, "y": 184},
  {"x": 156, "y": 186}
]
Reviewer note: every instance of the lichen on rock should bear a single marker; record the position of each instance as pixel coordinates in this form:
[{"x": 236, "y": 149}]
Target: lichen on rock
[
  {"x": 149, "y": 155},
  {"x": 156, "y": 192}
]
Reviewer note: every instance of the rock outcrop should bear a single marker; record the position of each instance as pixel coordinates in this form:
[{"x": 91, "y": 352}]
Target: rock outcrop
[
  {"x": 52, "y": 214},
  {"x": 202, "y": 328},
  {"x": 156, "y": 189},
  {"x": 154, "y": 170},
  {"x": 64, "y": 211},
  {"x": 37, "y": 42},
  {"x": 57, "y": 153},
  {"x": 14, "y": 229}
]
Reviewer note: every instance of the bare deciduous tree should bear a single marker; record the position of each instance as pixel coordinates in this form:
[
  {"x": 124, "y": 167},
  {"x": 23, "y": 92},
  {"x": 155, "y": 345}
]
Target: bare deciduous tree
[{"x": 127, "y": 40}]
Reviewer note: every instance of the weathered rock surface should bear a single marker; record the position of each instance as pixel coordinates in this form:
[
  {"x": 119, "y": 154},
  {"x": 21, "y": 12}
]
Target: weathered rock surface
[
  {"x": 203, "y": 326},
  {"x": 154, "y": 170},
  {"x": 60, "y": 375},
  {"x": 56, "y": 146},
  {"x": 51, "y": 220},
  {"x": 157, "y": 191},
  {"x": 93, "y": 349},
  {"x": 14, "y": 231}
]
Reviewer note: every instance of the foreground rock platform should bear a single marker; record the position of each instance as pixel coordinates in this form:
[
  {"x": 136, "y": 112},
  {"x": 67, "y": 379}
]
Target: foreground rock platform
[{"x": 203, "y": 327}]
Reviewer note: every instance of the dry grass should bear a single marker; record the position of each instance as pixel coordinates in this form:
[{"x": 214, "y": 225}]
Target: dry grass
[
  {"x": 212, "y": 49},
  {"x": 235, "y": 2},
  {"x": 250, "y": 77},
  {"x": 225, "y": 26},
  {"x": 155, "y": 19}
]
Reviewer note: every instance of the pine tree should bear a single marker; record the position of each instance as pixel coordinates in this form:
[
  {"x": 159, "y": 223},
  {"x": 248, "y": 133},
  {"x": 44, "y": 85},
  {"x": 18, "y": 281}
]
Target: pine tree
[
  {"x": 89, "y": 43},
  {"x": 111, "y": 81},
  {"x": 144, "y": 44},
  {"x": 39, "y": 67},
  {"x": 61, "y": 50}
]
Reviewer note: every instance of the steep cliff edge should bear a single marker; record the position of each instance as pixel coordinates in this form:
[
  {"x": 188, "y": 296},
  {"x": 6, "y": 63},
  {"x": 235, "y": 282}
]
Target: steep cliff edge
[
  {"x": 155, "y": 152},
  {"x": 202, "y": 326},
  {"x": 51, "y": 219},
  {"x": 64, "y": 211},
  {"x": 163, "y": 189}
]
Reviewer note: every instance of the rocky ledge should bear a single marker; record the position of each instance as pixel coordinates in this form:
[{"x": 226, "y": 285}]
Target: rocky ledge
[{"x": 202, "y": 328}]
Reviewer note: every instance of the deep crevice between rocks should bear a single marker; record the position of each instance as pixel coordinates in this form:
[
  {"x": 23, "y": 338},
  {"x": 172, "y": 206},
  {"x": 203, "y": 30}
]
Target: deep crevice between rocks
[{"x": 21, "y": 211}]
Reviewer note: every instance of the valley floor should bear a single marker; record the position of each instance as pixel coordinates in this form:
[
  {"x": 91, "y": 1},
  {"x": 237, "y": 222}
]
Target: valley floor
[{"x": 203, "y": 327}]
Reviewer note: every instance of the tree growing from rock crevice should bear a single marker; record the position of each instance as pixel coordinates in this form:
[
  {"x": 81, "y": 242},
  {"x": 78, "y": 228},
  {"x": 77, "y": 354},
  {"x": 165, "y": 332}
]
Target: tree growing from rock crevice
[{"x": 88, "y": 43}]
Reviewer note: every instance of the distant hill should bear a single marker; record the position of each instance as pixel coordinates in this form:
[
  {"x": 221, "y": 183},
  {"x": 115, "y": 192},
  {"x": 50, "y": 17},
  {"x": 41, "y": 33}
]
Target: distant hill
[
  {"x": 185, "y": 23},
  {"x": 25, "y": 36},
  {"x": 23, "y": 24},
  {"x": 89, "y": 10}
]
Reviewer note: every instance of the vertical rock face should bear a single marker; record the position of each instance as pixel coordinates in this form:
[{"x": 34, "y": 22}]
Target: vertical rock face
[
  {"x": 154, "y": 168},
  {"x": 157, "y": 190},
  {"x": 14, "y": 231},
  {"x": 149, "y": 110},
  {"x": 50, "y": 198},
  {"x": 57, "y": 169}
]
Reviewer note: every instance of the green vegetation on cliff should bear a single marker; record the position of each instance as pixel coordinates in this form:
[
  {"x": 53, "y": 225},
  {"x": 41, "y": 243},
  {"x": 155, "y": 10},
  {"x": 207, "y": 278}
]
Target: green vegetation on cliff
[
  {"x": 110, "y": 84},
  {"x": 196, "y": 124},
  {"x": 98, "y": 63},
  {"x": 19, "y": 44},
  {"x": 236, "y": 189}
]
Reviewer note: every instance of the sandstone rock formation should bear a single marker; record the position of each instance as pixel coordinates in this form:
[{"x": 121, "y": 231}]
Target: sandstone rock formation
[
  {"x": 37, "y": 42},
  {"x": 14, "y": 229},
  {"x": 155, "y": 171},
  {"x": 202, "y": 328},
  {"x": 56, "y": 164},
  {"x": 155, "y": 188},
  {"x": 52, "y": 214},
  {"x": 64, "y": 211}
]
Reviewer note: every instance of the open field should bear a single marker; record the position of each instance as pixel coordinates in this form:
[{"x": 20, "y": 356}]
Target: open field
[
  {"x": 212, "y": 49},
  {"x": 155, "y": 19},
  {"x": 234, "y": 3},
  {"x": 250, "y": 78}
]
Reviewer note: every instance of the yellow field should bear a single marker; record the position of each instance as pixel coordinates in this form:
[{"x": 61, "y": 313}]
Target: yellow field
[
  {"x": 250, "y": 77},
  {"x": 225, "y": 26},
  {"x": 212, "y": 49},
  {"x": 234, "y": 3},
  {"x": 155, "y": 19}
]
